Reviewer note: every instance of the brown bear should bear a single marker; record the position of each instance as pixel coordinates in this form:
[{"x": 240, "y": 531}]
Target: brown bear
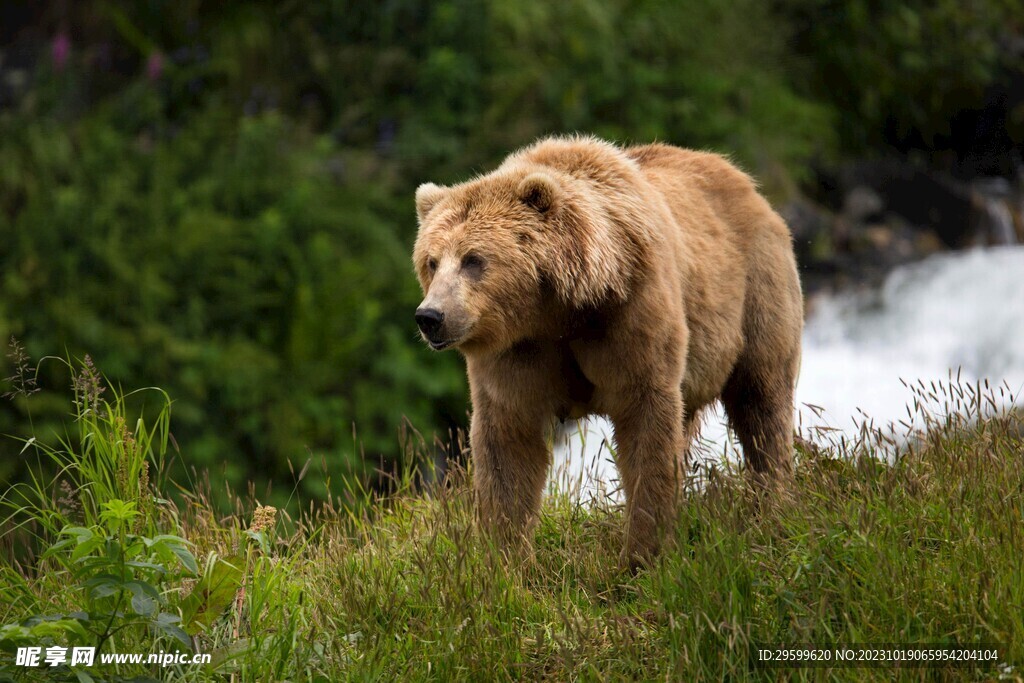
[{"x": 638, "y": 283}]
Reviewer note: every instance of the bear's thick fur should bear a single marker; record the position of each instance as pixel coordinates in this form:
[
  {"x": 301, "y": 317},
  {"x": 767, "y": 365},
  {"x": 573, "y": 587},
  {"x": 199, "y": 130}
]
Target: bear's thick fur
[{"x": 641, "y": 284}]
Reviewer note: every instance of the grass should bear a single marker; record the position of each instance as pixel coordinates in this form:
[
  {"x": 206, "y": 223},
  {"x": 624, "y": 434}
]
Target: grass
[{"x": 926, "y": 547}]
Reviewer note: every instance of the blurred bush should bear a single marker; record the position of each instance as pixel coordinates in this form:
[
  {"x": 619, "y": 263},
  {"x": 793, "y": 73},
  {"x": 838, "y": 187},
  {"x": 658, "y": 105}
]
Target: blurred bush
[
  {"x": 225, "y": 264},
  {"x": 899, "y": 74}
]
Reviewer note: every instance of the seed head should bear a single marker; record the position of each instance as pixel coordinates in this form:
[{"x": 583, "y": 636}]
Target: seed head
[{"x": 263, "y": 518}]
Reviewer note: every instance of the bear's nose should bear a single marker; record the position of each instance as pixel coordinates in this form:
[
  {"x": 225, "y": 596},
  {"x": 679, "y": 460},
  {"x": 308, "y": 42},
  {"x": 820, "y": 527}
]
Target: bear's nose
[{"x": 429, "y": 320}]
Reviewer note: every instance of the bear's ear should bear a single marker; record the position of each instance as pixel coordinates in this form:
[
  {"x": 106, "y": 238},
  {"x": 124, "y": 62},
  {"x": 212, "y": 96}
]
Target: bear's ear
[
  {"x": 539, "y": 191},
  {"x": 427, "y": 197}
]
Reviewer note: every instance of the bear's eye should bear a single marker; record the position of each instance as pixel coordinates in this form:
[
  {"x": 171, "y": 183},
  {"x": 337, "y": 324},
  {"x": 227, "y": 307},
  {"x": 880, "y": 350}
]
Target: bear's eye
[
  {"x": 473, "y": 263},
  {"x": 432, "y": 265}
]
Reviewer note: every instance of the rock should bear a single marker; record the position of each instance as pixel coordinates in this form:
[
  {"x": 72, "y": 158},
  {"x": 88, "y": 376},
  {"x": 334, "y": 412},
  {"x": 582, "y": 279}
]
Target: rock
[
  {"x": 925, "y": 199},
  {"x": 879, "y": 236},
  {"x": 862, "y": 204}
]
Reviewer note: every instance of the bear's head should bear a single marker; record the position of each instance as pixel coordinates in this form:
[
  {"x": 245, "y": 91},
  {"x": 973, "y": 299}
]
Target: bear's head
[{"x": 497, "y": 256}]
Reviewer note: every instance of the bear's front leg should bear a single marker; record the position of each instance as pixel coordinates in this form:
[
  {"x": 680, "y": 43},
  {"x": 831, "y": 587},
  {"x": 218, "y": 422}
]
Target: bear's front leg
[
  {"x": 650, "y": 459},
  {"x": 510, "y": 464}
]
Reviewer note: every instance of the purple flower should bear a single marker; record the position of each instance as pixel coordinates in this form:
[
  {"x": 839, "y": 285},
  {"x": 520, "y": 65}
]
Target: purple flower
[
  {"x": 155, "y": 65},
  {"x": 60, "y": 50}
]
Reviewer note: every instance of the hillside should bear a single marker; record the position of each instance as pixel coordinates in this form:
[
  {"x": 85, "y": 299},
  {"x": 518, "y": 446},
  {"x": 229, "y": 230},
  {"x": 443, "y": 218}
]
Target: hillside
[{"x": 923, "y": 550}]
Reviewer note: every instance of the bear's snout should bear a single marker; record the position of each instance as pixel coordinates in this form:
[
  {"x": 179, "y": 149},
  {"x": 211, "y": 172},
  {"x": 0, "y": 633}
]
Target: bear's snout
[{"x": 429, "y": 321}]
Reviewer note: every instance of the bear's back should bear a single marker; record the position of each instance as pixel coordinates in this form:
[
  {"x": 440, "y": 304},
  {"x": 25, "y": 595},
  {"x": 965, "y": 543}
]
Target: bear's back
[{"x": 730, "y": 193}]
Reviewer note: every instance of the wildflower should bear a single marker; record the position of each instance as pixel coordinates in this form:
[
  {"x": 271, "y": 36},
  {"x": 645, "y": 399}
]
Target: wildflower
[
  {"x": 263, "y": 518},
  {"x": 187, "y": 586},
  {"x": 144, "y": 479},
  {"x": 87, "y": 385},
  {"x": 155, "y": 65},
  {"x": 69, "y": 504},
  {"x": 60, "y": 51},
  {"x": 132, "y": 484},
  {"x": 24, "y": 378}
]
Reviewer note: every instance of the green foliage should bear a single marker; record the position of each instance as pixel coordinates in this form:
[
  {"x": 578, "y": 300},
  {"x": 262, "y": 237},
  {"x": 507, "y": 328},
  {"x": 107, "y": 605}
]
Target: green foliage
[
  {"x": 99, "y": 470},
  {"x": 120, "y": 576},
  {"x": 701, "y": 74},
  {"x": 98, "y": 524},
  {"x": 461, "y": 83},
  {"x": 889, "y": 69},
  {"x": 228, "y": 265},
  {"x": 212, "y": 594}
]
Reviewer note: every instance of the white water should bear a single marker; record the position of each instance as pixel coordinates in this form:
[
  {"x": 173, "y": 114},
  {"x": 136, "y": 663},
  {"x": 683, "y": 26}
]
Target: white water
[{"x": 961, "y": 310}]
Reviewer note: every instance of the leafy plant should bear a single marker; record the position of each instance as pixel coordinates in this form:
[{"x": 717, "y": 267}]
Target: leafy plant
[
  {"x": 113, "y": 550},
  {"x": 120, "y": 574}
]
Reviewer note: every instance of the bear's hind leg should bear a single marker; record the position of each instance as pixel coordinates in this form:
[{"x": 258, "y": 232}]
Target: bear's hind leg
[{"x": 760, "y": 410}]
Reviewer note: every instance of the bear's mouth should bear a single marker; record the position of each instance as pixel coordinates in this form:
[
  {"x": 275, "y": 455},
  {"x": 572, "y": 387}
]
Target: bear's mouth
[{"x": 439, "y": 346}]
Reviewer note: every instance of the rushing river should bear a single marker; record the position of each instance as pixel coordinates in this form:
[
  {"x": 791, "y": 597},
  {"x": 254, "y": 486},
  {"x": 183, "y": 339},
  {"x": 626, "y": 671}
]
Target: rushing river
[{"x": 958, "y": 312}]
